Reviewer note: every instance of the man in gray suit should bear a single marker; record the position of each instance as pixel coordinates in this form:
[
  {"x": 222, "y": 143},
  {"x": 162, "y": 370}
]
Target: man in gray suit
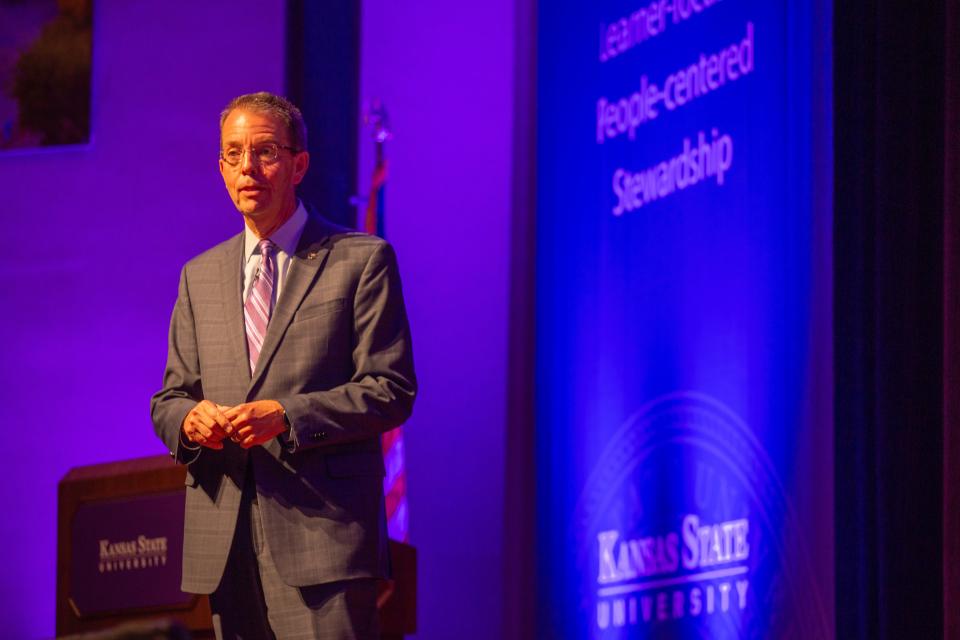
[{"x": 289, "y": 356}]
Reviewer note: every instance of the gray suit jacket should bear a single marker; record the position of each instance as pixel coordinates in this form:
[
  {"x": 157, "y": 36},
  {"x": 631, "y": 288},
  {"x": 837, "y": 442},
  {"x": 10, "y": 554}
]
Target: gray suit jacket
[{"x": 337, "y": 356}]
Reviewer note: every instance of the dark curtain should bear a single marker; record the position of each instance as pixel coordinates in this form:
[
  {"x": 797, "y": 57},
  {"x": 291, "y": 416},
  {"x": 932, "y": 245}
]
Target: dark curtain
[
  {"x": 951, "y": 324},
  {"x": 890, "y": 78},
  {"x": 519, "y": 538},
  {"x": 323, "y": 79}
]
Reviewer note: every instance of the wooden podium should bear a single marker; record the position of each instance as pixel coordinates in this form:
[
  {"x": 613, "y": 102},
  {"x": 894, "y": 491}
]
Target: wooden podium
[{"x": 119, "y": 552}]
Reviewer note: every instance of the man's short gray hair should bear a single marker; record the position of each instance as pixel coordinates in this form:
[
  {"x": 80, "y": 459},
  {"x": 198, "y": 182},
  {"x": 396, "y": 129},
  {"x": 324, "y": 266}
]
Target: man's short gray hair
[{"x": 274, "y": 105}]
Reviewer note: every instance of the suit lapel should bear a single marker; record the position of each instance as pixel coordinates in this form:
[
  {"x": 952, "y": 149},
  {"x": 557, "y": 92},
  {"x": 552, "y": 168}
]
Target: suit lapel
[
  {"x": 231, "y": 271},
  {"x": 311, "y": 253}
]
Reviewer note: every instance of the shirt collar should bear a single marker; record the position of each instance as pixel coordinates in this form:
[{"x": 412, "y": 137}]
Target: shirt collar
[{"x": 286, "y": 237}]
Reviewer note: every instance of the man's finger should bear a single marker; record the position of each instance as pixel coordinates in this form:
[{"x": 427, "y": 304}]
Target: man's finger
[
  {"x": 212, "y": 417},
  {"x": 239, "y": 434},
  {"x": 200, "y": 434},
  {"x": 239, "y": 420},
  {"x": 221, "y": 419},
  {"x": 214, "y": 412},
  {"x": 206, "y": 425},
  {"x": 212, "y": 444},
  {"x": 232, "y": 412},
  {"x": 212, "y": 431},
  {"x": 243, "y": 433},
  {"x": 203, "y": 431},
  {"x": 241, "y": 414},
  {"x": 216, "y": 431},
  {"x": 225, "y": 425}
]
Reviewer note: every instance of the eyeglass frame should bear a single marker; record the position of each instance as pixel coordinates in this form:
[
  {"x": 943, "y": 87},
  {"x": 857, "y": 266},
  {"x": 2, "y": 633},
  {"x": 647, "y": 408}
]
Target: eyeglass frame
[{"x": 245, "y": 150}]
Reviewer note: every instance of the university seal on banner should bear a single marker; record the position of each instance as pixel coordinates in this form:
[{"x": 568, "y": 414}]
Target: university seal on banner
[{"x": 684, "y": 530}]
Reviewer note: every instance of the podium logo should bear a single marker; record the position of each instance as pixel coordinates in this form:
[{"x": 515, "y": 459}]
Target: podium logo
[{"x": 129, "y": 555}]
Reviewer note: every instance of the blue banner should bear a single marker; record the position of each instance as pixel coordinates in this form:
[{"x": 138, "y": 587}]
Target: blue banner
[{"x": 684, "y": 377}]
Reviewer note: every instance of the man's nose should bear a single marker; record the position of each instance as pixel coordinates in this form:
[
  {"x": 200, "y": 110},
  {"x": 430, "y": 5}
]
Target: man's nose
[{"x": 248, "y": 162}]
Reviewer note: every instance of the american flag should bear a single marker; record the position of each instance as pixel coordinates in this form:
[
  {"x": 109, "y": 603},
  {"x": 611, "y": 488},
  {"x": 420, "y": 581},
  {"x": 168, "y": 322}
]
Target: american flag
[{"x": 395, "y": 481}]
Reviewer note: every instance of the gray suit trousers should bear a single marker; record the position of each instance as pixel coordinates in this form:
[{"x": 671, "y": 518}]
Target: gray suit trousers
[{"x": 252, "y": 602}]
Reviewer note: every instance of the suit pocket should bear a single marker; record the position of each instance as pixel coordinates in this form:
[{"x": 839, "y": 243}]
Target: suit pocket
[
  {"x": 349, "y": 465},
  {"x": 311, "y": 311}
]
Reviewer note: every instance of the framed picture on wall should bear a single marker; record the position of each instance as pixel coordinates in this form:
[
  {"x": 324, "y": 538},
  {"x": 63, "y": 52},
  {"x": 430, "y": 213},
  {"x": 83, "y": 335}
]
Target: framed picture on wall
[{"x": 45, "y": 54}]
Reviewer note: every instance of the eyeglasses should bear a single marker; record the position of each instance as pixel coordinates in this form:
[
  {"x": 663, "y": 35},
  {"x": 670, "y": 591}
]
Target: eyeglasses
[{"x": 266, "y": 153}]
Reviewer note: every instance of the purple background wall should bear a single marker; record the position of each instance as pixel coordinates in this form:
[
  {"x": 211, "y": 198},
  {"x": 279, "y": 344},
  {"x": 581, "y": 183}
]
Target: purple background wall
[
  {"x": 90, "y": 270},
  {"x": 445, "y": 73}
]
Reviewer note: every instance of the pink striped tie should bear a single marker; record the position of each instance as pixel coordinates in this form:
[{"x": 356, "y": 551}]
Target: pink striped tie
[{"x": 259, "y": 304}]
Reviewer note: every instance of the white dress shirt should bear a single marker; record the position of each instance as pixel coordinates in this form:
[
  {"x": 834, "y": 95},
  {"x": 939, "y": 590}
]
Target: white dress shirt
[{"x": 286, "y": 239}]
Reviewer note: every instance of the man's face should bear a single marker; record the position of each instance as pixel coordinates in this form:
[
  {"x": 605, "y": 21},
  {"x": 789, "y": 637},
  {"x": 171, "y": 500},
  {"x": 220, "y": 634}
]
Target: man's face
[{"x": 261, "y": 190}]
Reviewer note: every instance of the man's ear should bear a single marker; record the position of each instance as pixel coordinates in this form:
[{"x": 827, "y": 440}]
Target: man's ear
[{"x": 301, "y": 162}]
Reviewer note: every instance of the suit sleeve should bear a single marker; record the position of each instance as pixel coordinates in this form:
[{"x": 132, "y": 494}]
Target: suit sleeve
[
  {"x": 380, "y": 394},
  {"x": 182, "y": 388}
]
